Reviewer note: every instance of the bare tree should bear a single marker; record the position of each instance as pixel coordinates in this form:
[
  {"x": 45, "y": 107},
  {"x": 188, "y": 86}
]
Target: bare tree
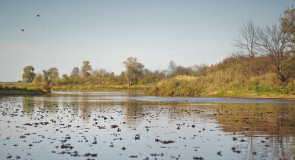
[
  {"x": 273, "y": 43},
  {"x": 247, "y": 40},
  {"x": 172, "y": 68}
]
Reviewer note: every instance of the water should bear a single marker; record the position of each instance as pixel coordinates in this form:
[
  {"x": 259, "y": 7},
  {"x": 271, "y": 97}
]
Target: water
[{"x": 129, "y": 125}]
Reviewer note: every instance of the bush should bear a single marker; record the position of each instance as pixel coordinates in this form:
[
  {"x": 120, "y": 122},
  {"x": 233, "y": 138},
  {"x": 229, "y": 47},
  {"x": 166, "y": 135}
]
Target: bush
[{"x": 178, "y": 86}]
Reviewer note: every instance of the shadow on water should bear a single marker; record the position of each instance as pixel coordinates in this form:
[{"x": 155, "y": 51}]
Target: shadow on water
[{"x": 123, "y": 125}]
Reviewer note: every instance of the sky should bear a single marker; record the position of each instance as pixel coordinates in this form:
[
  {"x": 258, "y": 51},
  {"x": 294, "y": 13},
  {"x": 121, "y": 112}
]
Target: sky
[{"x": 106, "y": 33}]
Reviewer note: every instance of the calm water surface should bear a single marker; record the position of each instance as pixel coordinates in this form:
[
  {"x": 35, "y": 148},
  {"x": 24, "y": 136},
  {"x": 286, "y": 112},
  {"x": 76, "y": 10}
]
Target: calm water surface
[{"x": 129, "y": 125}]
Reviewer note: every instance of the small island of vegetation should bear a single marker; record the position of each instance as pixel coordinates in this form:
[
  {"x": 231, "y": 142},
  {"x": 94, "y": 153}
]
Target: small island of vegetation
[{"x": 263, "y": 65}]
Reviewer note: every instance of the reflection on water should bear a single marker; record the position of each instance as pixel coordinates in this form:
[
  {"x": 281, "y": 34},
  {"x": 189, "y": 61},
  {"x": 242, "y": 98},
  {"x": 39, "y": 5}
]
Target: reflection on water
[{"x": 128, "y": 125}]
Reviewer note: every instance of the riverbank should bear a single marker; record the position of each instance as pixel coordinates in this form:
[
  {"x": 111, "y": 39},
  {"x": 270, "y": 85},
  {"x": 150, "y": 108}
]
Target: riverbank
[
  {"x": 149, "y": 88},
  {"x": 214, "y": 86},
  {"x": 14, "y": 90},
  {"x": 172, "y": 87}
]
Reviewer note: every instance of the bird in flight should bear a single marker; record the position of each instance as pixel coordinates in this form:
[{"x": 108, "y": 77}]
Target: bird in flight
[{"x": 38, "y": 15}]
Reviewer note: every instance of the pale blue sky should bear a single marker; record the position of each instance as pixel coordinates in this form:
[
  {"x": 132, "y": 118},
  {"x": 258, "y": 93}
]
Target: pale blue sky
[{"x": 107, "y": 32}]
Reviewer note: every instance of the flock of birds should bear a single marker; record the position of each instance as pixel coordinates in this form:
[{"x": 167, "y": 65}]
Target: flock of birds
[{"x": 38, "y": 15}]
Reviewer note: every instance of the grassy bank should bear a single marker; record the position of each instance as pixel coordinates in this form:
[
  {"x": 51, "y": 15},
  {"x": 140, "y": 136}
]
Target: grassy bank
[
  {"x": 236, "y": 76},
  {"x": 14, "y": 90},
  {"x": 222, "y": 85}
]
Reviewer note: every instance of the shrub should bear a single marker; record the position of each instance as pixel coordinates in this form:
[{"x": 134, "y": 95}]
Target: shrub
[{"x": 178, "y": 86}]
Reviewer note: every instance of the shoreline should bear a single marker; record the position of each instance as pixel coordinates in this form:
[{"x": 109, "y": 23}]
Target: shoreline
[
  {"x": 22, "y": 94},
  {"x": 12, "y": 90},
  {"x": 286, "y": 97},
  {"x": 281, "y": 97},
  {"x": 290, "y": 97}
]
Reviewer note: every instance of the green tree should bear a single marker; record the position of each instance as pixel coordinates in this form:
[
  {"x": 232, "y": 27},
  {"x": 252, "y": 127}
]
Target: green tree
[
  {"x": 134, "y": 70},
  {"x": 47, "y": 81},
  {"x": 75, "y": 72},
  {"x": 122, "y": 78},
  {"x": 288, "y": 26},
  {"x": 85, "y": 70},
  {"x": 28, "y": 75},
  {"x": 50, "y": 77},
  {"x": 54, "y": 75},
  {"x": 151, "y": 76},
  {"x": 75, "y": 76},
  {"x": 37, "y": 79},
  {"x": 65, "y": 79}
]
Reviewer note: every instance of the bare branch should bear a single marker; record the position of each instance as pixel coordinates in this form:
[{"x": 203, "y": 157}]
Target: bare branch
[{"x": 247, "y": 40}]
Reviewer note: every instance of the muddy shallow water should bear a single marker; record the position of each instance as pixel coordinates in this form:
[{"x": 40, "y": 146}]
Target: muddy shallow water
[{"x": 129, "y": 125}]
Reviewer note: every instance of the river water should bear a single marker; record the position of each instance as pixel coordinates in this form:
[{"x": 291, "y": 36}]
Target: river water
[{"x": 130, "y": 125}]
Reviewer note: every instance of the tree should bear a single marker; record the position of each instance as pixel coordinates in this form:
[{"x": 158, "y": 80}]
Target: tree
[
  {"x": 134, "y": 70},
  {"x": 85, "y": 70},
  {"x": 28, "y": 75},
  {"x": 75, "y": 72},
  {"x": 181, "y": 70},
  {"x": 95, "y": 73},
  {"x": 65, "y": 79},
  {"x": 288, "y": 26},
  {"x": 151, "y": 76},
  {"x": 274, "y": 44},
  {"x": 75, "y": 76},
  {"x": 54, "y": 75},
  {"x": 247, "y": 40},
  {"x": 122, "y": 78},
  {"x": 200, "y": 70},
  {"x": 102, "y": 73},
  {"x": 50, "y": 76},
  {"x": 37, "y": 79},
  {"x": 172, "y": 68},
  {"x": 46, "y": 80}
]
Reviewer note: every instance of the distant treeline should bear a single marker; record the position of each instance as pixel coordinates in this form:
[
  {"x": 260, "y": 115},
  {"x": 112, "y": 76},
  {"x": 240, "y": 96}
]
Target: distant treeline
[
  {"x": 135, "y": 74},
  {"x": 264, "y": 63}
]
